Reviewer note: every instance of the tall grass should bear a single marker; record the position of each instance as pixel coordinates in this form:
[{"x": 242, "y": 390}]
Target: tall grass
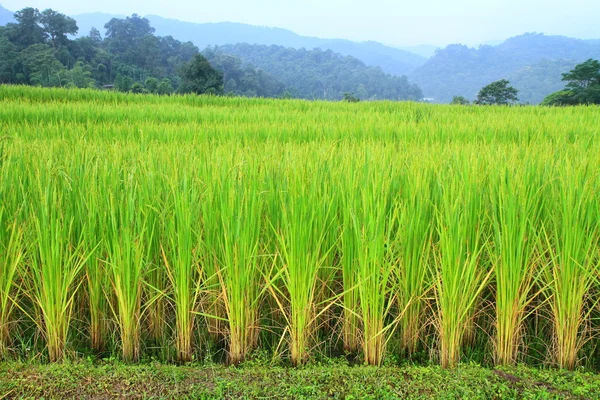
[
  {"x": 349, "y": 248},
  {"x": 460, "y": 276},
  {"x": 55, "y": 268},
  {"x": 571, "y": 238},
  {"x": 373, "y": 215},
  {"x": 188, "y": 226},
  {"x": 293, "y": 281},
  {"x": 413, "y": 242},
  {"x": 517, "y": 198},
  {"x": 11, "y": 255},
  {"x": 88, "y": 206},
  {"x": 238, "y": 208},
  {"x": 127, "y": 258},
  {"x": 182, "y": 259}
]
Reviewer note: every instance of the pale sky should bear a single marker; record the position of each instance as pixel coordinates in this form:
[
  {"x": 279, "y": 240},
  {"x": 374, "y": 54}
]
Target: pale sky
[{"x": 437, "y": 22}]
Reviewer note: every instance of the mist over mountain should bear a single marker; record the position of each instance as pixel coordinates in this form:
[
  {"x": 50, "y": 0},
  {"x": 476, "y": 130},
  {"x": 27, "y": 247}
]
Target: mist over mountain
[
  {"x": 423, "y": 50},
  {"x": 392, "y": 60},
  {"x": 6, "y": 16},
  {"x": 533, "y": 62}
]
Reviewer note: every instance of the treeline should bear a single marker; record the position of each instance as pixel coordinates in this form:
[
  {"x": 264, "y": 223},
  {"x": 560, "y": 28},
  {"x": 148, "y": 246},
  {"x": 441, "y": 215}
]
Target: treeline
[{"x": 39, "y": 49}]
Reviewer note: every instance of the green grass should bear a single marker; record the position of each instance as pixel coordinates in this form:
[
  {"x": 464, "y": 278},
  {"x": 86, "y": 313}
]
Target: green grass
[{"x": 335, "y": 380}]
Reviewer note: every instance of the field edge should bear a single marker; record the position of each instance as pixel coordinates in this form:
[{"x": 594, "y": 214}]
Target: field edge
[{"x": 154, "y": 380}]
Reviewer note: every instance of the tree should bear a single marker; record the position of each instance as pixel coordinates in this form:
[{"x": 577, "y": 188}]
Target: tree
[
  {"x": 10, "y": 62},
  {"x": 57, "y": 26},
  {"x": 560, "y": 98},
  {"x": 27, "y": 31},
  {"x": 132, "y": 41},
  {"x": 41, "y": 66},
  {"x": 199, "y": 77},
  {"x": 350, "y": 98},
  {"x": 138, "y": 88},
  {"x": 460, "y": 100},
  {"x": 498, "y": 92},
  {"x": 95, "y": 36},
  {"x": 80, "y": 76},
  {"x": 151, "y": 84},
  {"x": 584, "y": 75},
  {"x": 165, "y": 87},
  {"x": 38, "y": 49},
  {"x": 583, "y": 86},
  {"x": 123, "y": 83}
]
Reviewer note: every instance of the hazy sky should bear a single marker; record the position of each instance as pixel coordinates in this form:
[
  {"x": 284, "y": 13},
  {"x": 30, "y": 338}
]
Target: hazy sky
[{"x": 438, "y": 22}]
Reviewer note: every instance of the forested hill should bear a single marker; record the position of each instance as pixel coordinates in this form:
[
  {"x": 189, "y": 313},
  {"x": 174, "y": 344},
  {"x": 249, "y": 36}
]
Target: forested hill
[
  {"x": 391, "y": 60},
  {"x": 318, "y": 74},
  {"x": 532, "y": 62},
  {"x": 38, "y": 49}
]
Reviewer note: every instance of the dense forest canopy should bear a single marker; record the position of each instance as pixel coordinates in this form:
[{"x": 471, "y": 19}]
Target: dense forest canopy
[
  {"x": 40, "y": 48},
  {"x": 318, "y": 74},
  {"x": 392, "y": 60},
  {"x": 242, "y": 79}
]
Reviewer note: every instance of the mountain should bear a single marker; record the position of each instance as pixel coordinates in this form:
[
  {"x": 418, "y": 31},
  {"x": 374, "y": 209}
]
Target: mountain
[
  {"x": 6, "y": 16},
  {"x": 423, "y": 50},
  {"x": 85, "y": 22},
  {"x": 392, "y": 60},
  {"x": 536, "y": 81},
  {"x": 527, "y": 59},
  {"x": 319, "y": 74}
]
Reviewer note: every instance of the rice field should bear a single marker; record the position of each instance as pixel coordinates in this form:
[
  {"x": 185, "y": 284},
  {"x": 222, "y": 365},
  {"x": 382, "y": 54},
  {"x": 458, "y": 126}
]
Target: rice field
[{"x": 211, "y": 229}]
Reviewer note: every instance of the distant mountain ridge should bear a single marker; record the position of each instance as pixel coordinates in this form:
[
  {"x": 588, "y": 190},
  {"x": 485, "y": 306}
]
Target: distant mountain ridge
[
  {"x": 533, "y": 62},
  {"x": 532, "y": 57},
  {"x": 392, "y": 60}
]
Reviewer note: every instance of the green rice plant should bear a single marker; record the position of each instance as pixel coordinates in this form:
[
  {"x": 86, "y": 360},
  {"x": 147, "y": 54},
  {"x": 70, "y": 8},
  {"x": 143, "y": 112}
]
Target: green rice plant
[
  {"x": 413, "y": 244},
  {"x": 55, "y": 266},
  {"x": 155, "y": 289},
  {"x": 11, "y": 255},
  {"x": 349, "y": 247},
  {"x": 571, "y": 238},
  {"x": 97, "y": 281},
  {"x": 211, "y": 304},
  {"x": 238, "y": 208},
  {"x": 151, "y": 197},
  {"x": 87, "y": 204},
  {"x": 181, "y": 252},
  {"x": 459, "y": 277},
  {"x": 241, "y": 224},
  {"x": 517, "y": 198},
  {"x": 303, "y": 224},
  {"x": 372, "y": 216},
  {"x": 127, "y": 255}
]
